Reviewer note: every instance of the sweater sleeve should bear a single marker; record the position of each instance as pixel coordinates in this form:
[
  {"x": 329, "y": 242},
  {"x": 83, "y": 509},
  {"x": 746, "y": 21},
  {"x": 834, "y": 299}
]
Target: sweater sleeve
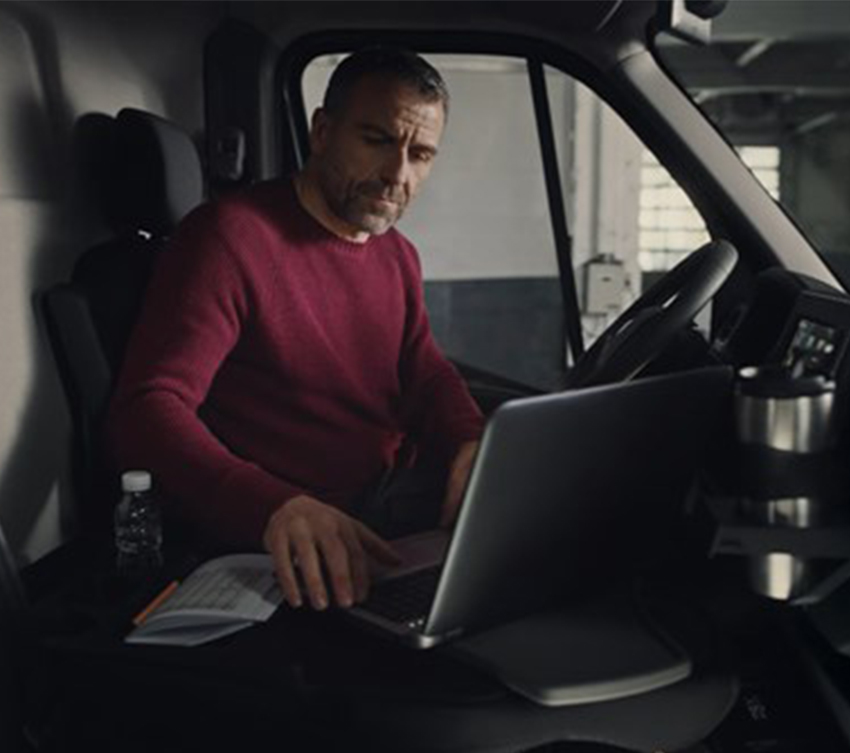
[
  {"x": 197, "y": 303},
  {"x": 438, "y": 409}
]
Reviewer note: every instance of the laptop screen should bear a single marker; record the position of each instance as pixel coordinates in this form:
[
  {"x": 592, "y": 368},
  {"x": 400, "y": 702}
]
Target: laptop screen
[{"x": 573, "y": 490}]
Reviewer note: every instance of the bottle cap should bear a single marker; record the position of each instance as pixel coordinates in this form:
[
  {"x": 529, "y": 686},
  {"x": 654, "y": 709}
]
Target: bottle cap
[{"x": 135, "y": 481}]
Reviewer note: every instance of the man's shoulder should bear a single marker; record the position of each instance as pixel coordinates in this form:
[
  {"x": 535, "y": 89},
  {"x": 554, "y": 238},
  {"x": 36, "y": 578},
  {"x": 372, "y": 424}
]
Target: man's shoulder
[
  {"x": 397, "y": 247},
  {"x": 398, "y": 242},
  {"x": 254, "y": 201},
  {"x": 239, "y": 214}
]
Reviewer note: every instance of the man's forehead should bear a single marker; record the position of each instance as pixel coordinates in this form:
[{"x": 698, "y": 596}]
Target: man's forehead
[{"x": 382, "y": 98}]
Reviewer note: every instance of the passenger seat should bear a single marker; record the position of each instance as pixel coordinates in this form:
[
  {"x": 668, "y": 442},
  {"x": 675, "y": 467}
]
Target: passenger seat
[{"x": 150, "y": 178}]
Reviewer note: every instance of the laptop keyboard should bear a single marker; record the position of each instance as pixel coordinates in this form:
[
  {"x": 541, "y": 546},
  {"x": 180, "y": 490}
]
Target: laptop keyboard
[{"x": 406, "y": 599}]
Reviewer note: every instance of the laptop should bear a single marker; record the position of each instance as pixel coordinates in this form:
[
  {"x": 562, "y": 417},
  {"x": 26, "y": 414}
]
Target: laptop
[{"x": 568, "y": 492}]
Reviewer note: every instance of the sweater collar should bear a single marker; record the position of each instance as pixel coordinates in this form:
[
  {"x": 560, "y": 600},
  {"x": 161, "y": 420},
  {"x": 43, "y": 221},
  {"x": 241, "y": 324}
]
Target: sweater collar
[{"x": 315, "y": 230}]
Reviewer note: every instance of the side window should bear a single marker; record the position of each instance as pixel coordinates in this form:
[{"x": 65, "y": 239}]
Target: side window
[
  {"x": 484, "y": 232},
  {"x": 630, "y": 221},
  {"x": 483, "y": 225}
]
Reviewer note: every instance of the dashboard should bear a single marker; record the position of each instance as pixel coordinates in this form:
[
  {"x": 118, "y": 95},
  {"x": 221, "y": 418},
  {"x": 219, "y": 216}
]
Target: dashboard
[{"x": 795, "y": 321}]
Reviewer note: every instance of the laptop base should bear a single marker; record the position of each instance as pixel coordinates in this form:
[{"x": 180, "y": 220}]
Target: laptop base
[{"x": 597, "y": 650}]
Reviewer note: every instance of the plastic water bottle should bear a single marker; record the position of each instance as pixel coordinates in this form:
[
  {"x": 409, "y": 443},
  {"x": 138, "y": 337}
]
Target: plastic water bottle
[{"x": 138, "y": 525}]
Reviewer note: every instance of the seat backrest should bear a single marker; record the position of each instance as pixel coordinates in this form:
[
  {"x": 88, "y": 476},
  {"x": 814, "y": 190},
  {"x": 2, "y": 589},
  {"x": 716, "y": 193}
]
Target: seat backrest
[{"x": 147, "y": 182}]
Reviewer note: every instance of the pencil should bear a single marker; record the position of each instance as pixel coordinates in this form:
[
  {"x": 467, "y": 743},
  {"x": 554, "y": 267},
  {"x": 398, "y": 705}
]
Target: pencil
[{"x": 158, "y": 599}]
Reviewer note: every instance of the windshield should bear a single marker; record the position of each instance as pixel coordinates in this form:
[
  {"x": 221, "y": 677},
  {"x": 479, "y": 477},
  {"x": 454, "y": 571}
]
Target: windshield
[{"x": 776, "y": 81}]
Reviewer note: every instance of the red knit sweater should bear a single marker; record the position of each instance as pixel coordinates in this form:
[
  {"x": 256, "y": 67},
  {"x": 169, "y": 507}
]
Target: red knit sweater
[{"x": 272, "y": 358}]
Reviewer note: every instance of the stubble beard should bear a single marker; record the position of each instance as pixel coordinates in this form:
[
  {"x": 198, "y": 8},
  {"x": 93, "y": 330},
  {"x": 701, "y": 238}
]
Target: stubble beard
[{"x": 353, "y": 203}]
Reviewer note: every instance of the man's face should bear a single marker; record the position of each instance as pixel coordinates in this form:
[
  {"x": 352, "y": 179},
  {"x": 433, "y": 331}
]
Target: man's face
[{"x": 372, "y": 156}]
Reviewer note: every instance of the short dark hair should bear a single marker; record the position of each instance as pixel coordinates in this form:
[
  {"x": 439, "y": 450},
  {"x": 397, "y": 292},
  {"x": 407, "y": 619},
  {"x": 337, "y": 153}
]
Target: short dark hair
[{"x": 403, "y": 65}]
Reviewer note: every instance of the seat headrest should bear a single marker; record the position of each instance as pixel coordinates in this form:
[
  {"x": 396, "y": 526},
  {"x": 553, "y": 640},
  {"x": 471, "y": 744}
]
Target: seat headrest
[{"x": 157, "y": 171}]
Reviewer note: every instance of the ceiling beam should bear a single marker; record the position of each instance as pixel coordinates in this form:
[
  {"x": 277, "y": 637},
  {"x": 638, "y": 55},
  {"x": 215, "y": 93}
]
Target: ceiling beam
[
  {"x": 801, "y": 69},
  {"x": 815, "y": 123},
  {"x": 754, "y": 52},
  {"x": 782, "y": 19}
]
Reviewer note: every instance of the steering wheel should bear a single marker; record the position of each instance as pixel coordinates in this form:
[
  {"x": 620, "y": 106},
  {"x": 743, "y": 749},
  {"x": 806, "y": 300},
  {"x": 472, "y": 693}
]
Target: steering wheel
[{"x": 646, "y": 327}]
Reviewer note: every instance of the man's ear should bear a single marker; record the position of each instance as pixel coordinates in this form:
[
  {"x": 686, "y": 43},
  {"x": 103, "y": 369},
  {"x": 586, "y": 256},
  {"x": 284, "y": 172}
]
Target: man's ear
[{"x": 319, "y": 127}]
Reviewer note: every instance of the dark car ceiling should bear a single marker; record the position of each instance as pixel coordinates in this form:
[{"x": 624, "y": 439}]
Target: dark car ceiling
[
  {"x": 575, "y": 15},
  {"x": 571, "y": 16},
  {"x": 595, "y": 27}
]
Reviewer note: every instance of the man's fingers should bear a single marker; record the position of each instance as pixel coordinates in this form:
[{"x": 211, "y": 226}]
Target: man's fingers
[
  {"x": 286, "y": 574},
  {"x": 336, "y": 557},
  {"x": 358, "y": 563},
  {"x": 449, "y": 511},
  {"x": 458, "y": 480},
  {"x": 331, "y": 550},
  {"x": 311, "y": 570},
  {"x": 376, "y": 546}
]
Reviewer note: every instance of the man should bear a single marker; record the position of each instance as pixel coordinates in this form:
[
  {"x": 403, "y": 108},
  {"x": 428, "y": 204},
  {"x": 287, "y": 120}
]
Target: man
[{"x": 284, "y": 353}]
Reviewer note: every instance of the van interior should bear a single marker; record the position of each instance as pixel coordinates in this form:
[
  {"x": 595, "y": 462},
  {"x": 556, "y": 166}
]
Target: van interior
[{"x": 626, "y": 189}]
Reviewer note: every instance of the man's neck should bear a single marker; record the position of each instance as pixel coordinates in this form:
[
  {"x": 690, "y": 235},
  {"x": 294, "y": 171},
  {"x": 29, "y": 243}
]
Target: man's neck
[{"x": 313, "y": 201}]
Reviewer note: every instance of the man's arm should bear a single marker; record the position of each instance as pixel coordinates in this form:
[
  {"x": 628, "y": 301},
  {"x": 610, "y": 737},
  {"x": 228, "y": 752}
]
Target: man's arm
[
  {"x": 199, "y": 301},
  {"x": 459, "y": 473},
  {"x": 439, "y": 410},
  {"x": 197, "y": 304}
]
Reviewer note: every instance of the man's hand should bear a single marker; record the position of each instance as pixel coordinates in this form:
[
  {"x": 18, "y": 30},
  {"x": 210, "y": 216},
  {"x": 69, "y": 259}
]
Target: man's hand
[
  {"x": 318, "y": 536},
  {"x": 458, "y": 476}
]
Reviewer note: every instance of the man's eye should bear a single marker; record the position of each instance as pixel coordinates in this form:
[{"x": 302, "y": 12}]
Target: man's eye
[{"x": 423, "y": 156}]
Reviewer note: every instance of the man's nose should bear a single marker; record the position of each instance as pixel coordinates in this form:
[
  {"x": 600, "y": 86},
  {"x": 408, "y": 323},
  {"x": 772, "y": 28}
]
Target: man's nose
[{"x": 395, "y": 168}]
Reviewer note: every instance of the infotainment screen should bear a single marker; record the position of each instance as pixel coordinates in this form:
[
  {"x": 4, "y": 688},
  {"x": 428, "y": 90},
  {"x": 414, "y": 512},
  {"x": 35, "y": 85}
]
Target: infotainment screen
[{"x": 814, "y": 348}]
